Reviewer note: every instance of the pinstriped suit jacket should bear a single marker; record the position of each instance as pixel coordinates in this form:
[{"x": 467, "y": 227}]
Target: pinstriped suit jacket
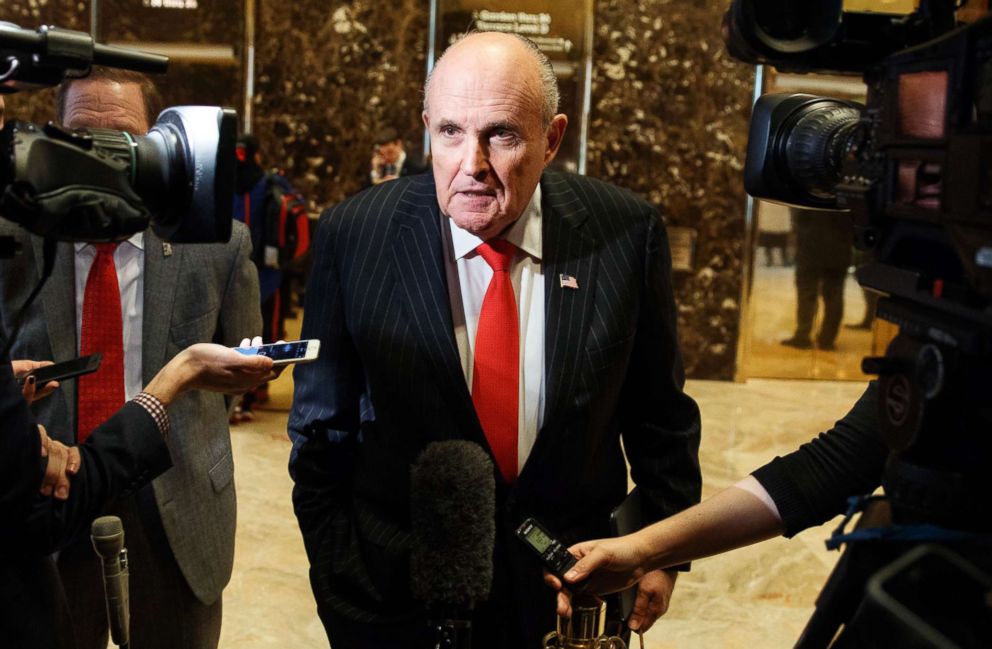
[{"x": 389, "y": 381}]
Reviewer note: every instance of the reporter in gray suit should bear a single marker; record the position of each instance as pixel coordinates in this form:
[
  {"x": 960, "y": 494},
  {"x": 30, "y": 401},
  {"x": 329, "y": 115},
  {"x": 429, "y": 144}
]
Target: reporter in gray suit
[
  {"x": 180, "y": 529},
  {"x": 581, "y": 352}
]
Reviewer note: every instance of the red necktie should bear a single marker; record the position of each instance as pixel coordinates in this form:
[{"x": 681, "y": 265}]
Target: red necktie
[
  {"x": 101, "y": 393},
  {"x": 496, "y": 378}
]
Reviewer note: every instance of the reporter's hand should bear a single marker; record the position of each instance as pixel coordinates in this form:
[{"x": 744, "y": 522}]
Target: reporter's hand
[
  {"x": 609, "y": 565},
  {"x": 221, "y": 369},
  {"x": 30, "y": 388},
  {"x": 63, "y": 462},
  {"x": 207, "y": 366},
  {"x": 654, "y": 594}
]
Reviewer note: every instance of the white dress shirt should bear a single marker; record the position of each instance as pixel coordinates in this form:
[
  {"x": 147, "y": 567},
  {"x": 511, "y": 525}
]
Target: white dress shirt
[
  {"x": 468, "y": 279},
  {"x": 129, "y": 258}
]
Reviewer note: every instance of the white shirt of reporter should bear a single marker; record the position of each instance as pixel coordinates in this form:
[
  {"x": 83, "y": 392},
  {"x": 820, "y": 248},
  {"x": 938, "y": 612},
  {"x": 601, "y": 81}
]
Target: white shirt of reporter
[{"x": 129, "y": 259}]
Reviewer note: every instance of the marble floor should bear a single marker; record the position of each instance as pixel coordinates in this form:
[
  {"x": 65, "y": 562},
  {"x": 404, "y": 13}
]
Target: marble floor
[
  {"x": 772, "y": 319},
  {"x": 753, "y": 597}
]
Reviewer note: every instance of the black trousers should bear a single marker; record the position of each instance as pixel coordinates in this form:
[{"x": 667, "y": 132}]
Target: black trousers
[{"x": 813, "y": 283}]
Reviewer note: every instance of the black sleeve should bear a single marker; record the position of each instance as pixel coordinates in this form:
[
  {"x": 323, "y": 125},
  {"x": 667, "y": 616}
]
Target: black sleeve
[
  {"x": 811, "y": 485},
  {"x": 122, "y": 454},
  {"x": 21, "y": 464},
  {"x": 660, "y": 422}
]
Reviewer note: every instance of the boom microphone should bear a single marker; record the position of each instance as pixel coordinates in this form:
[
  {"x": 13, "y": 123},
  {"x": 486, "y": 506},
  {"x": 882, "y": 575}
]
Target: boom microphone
[
  {"x": 107, "y": 535},
  {"x": 453, "y": 519}
]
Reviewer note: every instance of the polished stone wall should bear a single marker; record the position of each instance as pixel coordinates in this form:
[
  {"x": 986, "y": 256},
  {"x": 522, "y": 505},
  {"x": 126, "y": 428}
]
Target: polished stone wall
[
  {"x": 330, "y": 74},
  {"x": 669, "y": 121},
  {"x": 669, "y": 117}
]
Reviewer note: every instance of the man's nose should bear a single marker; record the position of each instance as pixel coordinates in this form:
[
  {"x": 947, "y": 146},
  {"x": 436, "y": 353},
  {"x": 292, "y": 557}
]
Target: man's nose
[{"x": 474, "y": 159}]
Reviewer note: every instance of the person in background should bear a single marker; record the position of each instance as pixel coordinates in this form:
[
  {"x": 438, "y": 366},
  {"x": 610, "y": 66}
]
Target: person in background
[
  {"x": 277, "y": 217},
  {"x": 824, "y": 247},
  {"x": 389, "y": 158}
]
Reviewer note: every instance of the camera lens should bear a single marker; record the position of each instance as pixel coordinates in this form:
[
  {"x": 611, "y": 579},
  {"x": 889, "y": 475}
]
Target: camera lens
[
  {"x": 814, "y": 143},
  {"x": 185, "y": 171},
  {"x": 181, "y": 171}
]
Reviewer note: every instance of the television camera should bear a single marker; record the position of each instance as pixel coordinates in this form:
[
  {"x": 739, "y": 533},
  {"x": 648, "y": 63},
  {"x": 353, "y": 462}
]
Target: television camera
[
  {"x": 101, "y": 185},
  {"x": 913, "y": 167},
  {"x": 105, "y": 185}
]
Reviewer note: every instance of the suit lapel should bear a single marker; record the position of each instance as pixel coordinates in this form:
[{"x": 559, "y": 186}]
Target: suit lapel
[
  {"x": 59, "y": 303},
  {"x": 419, "y": 264},
  {"x": 568, "y": 250},
  {"x": 161, "y": 276}
]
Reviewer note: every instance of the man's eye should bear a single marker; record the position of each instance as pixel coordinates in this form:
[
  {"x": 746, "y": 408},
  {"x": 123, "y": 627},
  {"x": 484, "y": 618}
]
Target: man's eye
[
  {"x": 503, "y": 134},
  {"x": 449, "y": 130}
]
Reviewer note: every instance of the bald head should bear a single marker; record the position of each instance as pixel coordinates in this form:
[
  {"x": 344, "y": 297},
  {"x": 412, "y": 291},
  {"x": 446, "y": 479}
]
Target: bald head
[
  {"x": 508, "y": 52},
  {"x": 493, "y": 129}
]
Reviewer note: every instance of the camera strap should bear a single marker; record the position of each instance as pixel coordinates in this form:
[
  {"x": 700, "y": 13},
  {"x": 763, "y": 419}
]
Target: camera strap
[{"x": 897, "y": 533}]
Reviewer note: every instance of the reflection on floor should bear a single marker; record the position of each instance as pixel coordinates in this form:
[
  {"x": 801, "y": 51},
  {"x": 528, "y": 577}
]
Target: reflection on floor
[
  {"x": 755, "y": 597},
  {"x": 773, "y": 319}
]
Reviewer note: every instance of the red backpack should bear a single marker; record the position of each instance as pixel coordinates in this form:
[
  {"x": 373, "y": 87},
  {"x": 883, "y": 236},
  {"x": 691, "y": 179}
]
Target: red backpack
[{"x": 288, "y": 209}]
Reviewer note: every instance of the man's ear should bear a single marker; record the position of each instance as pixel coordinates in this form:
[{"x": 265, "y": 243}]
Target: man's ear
[{"x": 555, "y": 135}]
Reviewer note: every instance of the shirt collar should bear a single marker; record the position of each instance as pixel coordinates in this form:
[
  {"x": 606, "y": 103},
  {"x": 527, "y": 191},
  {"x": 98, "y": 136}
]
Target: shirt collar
[
  {"x": 525, "y": 233},
  {"x": 137, "y": 240}
]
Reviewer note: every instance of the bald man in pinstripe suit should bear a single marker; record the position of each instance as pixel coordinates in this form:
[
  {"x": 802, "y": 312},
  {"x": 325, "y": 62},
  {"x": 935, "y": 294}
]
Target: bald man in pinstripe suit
[{"x": 402, "y": 299}]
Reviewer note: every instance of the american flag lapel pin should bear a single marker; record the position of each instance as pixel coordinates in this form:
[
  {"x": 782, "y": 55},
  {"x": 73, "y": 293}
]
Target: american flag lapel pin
[
  {"x": 166, "y": 249},
  {"x": 567, "y": 281}
]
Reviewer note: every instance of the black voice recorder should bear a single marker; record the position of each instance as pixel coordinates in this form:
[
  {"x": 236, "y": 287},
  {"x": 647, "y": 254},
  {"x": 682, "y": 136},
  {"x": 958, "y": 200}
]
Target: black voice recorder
[{"x": 553, "y": 553}]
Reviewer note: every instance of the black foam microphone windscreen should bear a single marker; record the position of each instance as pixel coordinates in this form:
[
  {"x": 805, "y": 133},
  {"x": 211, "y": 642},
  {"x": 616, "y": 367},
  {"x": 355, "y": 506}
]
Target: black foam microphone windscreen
[{"x": 453, "y": 519}]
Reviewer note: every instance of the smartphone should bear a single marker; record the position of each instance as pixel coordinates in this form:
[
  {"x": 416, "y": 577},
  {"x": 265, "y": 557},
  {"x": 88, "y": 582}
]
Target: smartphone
[
  {"x": 298, "y": 351},
  {"x": 65, "y": 370}
]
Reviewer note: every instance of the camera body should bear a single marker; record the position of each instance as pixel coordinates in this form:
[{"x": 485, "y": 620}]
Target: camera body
[{"x": 912, "y": 166}]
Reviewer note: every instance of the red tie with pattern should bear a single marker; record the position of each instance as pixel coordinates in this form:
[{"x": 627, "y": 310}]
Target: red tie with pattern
[
  {"x": 496, "y": 376},
  {"x": 101, "y": 393}
]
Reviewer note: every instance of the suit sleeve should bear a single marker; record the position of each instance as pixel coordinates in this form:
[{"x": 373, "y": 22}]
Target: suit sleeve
[
  {"x": 240, "y": 311},
  {"x": 325, "y": 419},
  {"x": 122, "y": 454},
  {"x": 659, "y": 422}
]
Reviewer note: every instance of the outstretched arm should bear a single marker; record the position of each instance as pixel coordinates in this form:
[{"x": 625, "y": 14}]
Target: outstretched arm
[{"x": 732, "y": 518}]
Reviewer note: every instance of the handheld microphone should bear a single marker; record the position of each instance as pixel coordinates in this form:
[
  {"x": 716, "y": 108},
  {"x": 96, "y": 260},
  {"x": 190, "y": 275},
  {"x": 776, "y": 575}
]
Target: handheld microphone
[
  {"x": 107, "y": 535},
  {"x": 453, "y": 519}
]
